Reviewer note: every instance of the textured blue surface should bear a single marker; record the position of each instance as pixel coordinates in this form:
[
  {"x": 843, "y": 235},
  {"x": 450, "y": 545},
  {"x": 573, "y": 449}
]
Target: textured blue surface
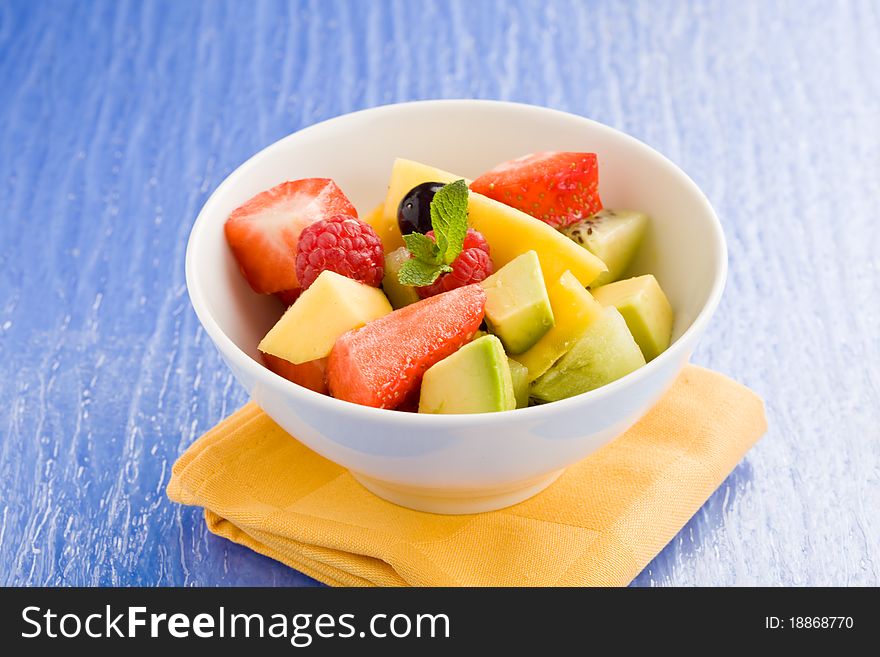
[{"x": 119, "y": 118}]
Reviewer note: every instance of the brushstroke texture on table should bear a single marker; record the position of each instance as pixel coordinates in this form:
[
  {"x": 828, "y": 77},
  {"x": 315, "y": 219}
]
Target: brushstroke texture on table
[{"x": 119, "y": 118}]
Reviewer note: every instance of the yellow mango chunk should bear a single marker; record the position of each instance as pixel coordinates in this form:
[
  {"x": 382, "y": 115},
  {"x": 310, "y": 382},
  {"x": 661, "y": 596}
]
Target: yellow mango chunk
[
  {"x": 574, "y": 309},
  {"x": 405, "y": 174},
  {"x": 332, "y": 305},
  {"x": 509, "y": 231},
  {"x": 390, "y": 239}
]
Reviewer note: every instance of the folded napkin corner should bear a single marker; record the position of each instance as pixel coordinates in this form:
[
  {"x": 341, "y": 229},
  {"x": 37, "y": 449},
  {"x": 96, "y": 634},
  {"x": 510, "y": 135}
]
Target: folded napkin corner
[{"x": 601, "y": 523}]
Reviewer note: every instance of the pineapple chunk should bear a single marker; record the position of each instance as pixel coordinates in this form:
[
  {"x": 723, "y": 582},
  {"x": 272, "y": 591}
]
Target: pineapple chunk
[
  {"x": 331, "y": 306},
  {"x": 509, "y": 232},
  {"x": 574, "y": 309}
]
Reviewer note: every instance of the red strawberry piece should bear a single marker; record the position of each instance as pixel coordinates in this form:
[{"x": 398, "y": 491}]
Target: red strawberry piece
[
  {"x": 557, "y": 188},
  {"x": 311, "y": 374},
  {"x": 343, "y": 244},
  {"x": 471, "y": 266},
  {"x": 264, "y": 232},
  {"x": 287, "y": 297},
  {"x": 381, "y": 364}
]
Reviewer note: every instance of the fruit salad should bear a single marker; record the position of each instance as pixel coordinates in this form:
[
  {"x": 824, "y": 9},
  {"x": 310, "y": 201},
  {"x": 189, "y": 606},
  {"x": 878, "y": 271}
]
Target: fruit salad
[{"x": 454, "y": 296}]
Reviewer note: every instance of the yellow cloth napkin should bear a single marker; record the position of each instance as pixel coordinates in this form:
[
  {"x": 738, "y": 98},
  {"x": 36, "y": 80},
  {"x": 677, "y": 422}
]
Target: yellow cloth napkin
[{"x": 602, "y": 521}]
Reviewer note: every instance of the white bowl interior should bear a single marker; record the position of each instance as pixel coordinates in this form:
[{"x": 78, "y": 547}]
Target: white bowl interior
[{"x": 467, "y": 137}]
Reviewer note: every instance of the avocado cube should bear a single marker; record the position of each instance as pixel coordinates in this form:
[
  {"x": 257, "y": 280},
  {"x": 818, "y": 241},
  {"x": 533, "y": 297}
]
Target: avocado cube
[
  {"x": 517, "y": 305},
  {"x": 475, "y": 379},
  {"x": 645, "y": 308}
]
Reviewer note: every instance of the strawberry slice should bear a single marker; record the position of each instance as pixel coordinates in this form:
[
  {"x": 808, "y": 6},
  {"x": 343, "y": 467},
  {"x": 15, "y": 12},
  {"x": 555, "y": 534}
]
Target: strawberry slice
[
  {"x": 382, "y": 364},
  {"x": 557, "y": 188},
  {"x": 263, "y": 233}
]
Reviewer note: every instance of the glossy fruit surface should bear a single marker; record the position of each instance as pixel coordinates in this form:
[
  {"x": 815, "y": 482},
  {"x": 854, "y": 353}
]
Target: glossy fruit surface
[{"x": 414, "y": 211}]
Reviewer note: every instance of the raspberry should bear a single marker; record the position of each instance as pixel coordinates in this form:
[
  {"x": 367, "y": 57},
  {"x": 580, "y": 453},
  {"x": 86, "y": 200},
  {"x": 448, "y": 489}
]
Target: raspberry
[
  {"x": 472, "y": 240},
  {"x": 342, "y": 244},
  {"x": 471, "y": 266}
]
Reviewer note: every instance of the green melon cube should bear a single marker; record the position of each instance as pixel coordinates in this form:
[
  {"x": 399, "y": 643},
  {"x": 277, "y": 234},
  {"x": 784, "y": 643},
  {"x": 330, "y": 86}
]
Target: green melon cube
[
  {"x": 604, "y": 353},
  {"x": 519, "y": 375},
  {"x": 398, "y": 294}
]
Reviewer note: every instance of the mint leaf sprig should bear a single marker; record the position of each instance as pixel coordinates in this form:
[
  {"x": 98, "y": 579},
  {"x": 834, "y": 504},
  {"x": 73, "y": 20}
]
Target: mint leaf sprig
[{"x": 431, "y": 258}]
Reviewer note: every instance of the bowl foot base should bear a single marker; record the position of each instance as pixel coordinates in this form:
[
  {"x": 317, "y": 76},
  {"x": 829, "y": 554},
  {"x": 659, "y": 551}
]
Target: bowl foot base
[{"x": 457, "y": 502}]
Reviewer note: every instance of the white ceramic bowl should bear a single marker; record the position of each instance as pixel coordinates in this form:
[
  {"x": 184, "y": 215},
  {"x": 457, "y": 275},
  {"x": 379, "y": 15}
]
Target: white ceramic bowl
[{"x": 459, "y": 463}]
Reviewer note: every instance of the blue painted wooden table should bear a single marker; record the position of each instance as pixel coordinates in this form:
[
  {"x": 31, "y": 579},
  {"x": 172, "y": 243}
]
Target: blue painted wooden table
[{"x": 118, "y": 119}]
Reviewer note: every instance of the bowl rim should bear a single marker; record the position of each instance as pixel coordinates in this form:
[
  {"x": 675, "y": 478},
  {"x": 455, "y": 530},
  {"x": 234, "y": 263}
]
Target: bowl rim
[{"x": 330, "y": 404}]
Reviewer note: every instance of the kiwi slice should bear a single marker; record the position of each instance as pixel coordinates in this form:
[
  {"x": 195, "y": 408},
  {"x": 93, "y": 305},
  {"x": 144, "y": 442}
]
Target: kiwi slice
[{"x": 612, "y": 235}]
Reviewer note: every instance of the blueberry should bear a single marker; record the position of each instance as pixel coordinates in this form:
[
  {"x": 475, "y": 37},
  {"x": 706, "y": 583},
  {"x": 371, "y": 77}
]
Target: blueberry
[{"x": 414, "y": 211}]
